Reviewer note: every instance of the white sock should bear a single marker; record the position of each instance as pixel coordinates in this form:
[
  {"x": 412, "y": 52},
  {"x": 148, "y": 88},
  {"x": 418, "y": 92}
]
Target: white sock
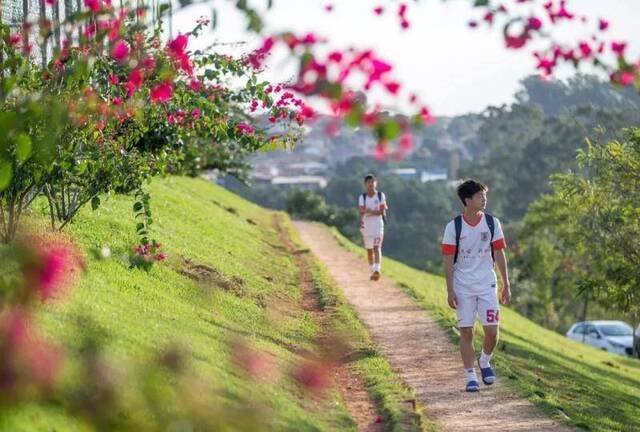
[
  {"x": 373, "y": 267},
  {"x": 485, "y": 359},
  {"x": 471, "y": 374},
  {"x": 376, "y": 267}
]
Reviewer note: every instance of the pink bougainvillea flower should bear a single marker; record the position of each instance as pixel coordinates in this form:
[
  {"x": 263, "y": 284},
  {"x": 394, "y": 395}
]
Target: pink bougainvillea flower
[
  {"x": 328, "y": 8},
  {"x": 381, "y": 151},
  {"x": 117, "y": 101},
  {"x": 488, "y": 17},
  {"x": 585, "y": 49},
  {"x": 195, "y": 113},
  {"x": 404, "y": 24},
  {"x": 618, "y": 47},
  {"x": 393, "y": 87},
  {"x": 335, "y": 56},
  {"x": 314, "y": 376},
  {"x": 472, "y": 24},
  {"x": 245, "y": 129},
  {"x": 185, "y": 64},
  {"x": 378, "y": 10},
  {"x": 93, "y": 5},
  {"x": 406, "y": 142},
  {"x": 15, "y": 39},
  {"x": 516, "y": 42},
  {"x": 627, "y": 78},
  {"x": 178, "y": 45},
  {"x": 603, "y": 24},
  {"x": 426, "y": 116},
  {"x": 148, "y": 63},
  {"x": 534, "y": 23},
  {"x": 134, "y": 82},
  {"x": 162, "y": 92},
  {"x": 120, "y": 50},
  {"x": 51, "y": 2},
  {"x": 195, "y": 85}
]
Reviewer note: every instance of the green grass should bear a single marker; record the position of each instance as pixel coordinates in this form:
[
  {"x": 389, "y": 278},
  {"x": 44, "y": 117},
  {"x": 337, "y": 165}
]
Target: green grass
[
  {"x": 142, "y": 313},
  {"x": 597, "y": 391},
  {"x": 391, "y": 396}
]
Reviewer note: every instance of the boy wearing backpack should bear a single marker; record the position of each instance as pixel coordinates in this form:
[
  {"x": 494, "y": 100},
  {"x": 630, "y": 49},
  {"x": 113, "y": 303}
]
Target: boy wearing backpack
[
  {"x": 372, "y": 206},
  {"x": 473, "y": 243}
]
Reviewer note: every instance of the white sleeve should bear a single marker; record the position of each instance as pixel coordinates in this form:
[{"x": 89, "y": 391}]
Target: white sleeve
[
  {"x": 383, "y": 200},
  {"x": 360, "y": 201},
  {"x": 449, "y": 237},
  {"x": 498, "y": 234}
]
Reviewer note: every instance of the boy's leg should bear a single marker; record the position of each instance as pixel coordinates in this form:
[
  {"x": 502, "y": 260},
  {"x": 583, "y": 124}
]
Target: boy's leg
[
  {"x": 466, "y": 312},
  {"x": 489, "y": 311}
]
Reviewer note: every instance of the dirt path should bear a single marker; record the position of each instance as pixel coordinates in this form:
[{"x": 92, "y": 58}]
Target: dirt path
[
  {"x": 420, "y": 351},
  {"x": 351, "y": 387}
]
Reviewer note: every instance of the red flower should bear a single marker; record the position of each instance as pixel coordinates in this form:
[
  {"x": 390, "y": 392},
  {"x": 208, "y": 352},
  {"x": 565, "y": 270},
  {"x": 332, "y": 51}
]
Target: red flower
[
  {"x": 627, "y": 78},
  {"x": 162, "y": 92},
  {"x": 134, "y": 82},
  {"x": 534, "y": 23},
  {"x": 93, "y": 5},
  {"x": 516, "y": 41},
  {"x": 378, "y": 10},
  {"x": 148, "y": 63},
  {"x": 392, "y": 87},
  {"x": 406, "y": 142},
  {"x": 272, "y": 119},
  {"x": 603, "y": 25},
  {"x": 426, "y": 115},
  {"x": 14, "y": 39},
  {"x": 178, "y": 45},
  {"x": 335, "y": 56},
  {"x": 245, "y": 129},
  {"x": 619, "y": 48},
  {"x": 195, "y": 85},
  {"x": 585, "y": 49},
  {"x": 120, "y": 50}
]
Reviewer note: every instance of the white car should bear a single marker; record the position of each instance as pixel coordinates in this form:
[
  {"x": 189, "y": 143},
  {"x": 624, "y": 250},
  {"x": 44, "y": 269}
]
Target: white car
[{"x": 612, "y": 336}]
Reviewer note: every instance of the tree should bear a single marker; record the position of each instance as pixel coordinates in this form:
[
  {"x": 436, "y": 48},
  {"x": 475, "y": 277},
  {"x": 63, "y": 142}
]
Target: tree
[{"x": 593, "y": 216}]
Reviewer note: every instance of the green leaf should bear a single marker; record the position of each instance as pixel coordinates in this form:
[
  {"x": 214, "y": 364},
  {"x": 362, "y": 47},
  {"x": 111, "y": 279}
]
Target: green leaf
[
  {"x": 481, "y": 3},
  {"x": 137, "y": 207},
  {"x": 5, "y": 174},
  {"x": 95, "y": 202},
  {"x": 23, "y": 147}
]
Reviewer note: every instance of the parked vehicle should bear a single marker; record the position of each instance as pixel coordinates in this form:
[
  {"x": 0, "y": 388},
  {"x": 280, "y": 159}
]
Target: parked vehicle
[{"x": 612, "y": 336}]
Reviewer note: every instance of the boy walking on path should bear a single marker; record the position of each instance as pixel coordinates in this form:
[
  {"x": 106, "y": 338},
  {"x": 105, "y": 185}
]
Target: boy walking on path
[
  {"x": 372, "y": 206},
  {"x": 473, "y": 243}
]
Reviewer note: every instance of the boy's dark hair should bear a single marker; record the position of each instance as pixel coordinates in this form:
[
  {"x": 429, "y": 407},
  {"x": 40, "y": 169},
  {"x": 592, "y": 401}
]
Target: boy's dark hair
[
  {"x": 468, "y": 188},
  {"x": 369, "y": 177}
]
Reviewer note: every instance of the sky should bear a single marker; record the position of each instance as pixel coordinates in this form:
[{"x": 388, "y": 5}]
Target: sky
[{"x": 452, "y": 68}]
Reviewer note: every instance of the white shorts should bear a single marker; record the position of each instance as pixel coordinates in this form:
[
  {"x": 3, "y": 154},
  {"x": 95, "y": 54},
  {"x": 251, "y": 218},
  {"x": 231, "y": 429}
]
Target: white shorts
[
  {"x": 483, "y": 304},
  {"x": 372, "y": 239}
]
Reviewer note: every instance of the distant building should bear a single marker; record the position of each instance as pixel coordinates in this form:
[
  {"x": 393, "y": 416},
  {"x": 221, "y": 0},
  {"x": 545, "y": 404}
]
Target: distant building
[
  {"x": 433, "y": 175},
  {"x": 300, "y": 182}
]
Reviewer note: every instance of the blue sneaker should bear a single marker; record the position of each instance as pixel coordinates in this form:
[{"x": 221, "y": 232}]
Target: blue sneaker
[
  {"x": 488, "y": 376},
  {"x": 472, "y": 386}
]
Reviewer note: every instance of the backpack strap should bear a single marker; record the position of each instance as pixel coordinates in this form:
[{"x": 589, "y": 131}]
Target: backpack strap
[
  {"x": 492, "y": 229},
  {"x": 457, "y": 223},
  {"x": 364, "y": 199}
]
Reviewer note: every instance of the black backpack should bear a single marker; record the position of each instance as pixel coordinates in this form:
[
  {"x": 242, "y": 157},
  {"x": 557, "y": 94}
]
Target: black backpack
[
  {"x": 457, "y": 222},
  {"x": 364, "y": 200}
]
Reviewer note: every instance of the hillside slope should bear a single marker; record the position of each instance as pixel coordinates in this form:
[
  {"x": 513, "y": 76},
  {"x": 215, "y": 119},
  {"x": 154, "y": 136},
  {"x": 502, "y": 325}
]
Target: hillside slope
[{"x": 228, "y": 279}]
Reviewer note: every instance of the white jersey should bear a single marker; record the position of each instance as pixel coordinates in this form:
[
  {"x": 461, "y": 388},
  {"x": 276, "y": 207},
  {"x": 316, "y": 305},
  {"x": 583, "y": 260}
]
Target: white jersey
[
  {"x": 474, "y": 268},
  {"x": 373, "y": 223}
]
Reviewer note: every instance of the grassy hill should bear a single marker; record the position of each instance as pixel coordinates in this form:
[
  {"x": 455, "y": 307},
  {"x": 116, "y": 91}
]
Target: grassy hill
[
  {"x": 228, "y": 278},
  {"x": 575, "y": 383}
]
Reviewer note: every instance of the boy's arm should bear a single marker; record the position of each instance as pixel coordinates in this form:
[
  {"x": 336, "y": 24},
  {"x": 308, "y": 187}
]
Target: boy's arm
[
  {"x": 448, "y": 272},
  {"x": 501, "y": 261}
]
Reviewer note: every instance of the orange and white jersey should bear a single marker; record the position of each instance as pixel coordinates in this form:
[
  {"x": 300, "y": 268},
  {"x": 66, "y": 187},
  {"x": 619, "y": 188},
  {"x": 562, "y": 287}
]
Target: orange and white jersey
[
  {"x": 474, "y": 268},
  {"x": 375, "y": 203}
]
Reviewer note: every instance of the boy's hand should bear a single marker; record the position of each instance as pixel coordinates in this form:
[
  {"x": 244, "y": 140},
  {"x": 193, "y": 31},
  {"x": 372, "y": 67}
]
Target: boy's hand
[
  {"x": 452, "y": 299},
  {"x": 505, "y": 294}
]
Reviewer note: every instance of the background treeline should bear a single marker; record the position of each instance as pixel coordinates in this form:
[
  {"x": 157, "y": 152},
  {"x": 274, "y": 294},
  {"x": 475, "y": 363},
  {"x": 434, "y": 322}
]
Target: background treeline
[{"x": 517, "y": 150}]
